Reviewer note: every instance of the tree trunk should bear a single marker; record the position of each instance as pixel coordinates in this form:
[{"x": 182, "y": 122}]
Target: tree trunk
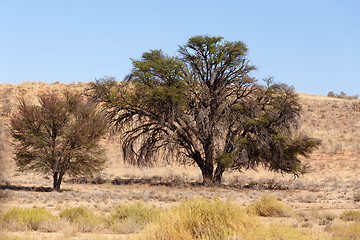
[
  {"x": 57, "y": 180},
  {"x": 210, "y": 177},
  {"x": 207, "y": 174},
  {"x": 207, "y": 169},
  {"x": 218, "y": 174}
]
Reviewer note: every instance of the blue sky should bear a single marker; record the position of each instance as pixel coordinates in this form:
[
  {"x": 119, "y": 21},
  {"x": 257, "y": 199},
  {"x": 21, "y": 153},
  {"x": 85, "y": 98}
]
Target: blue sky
[{"x": 312, "y": 45}]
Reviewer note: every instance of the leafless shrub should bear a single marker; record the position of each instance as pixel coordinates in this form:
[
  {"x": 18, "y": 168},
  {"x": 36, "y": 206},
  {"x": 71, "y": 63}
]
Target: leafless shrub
[
  {"x": 6, "y": 110},
  {"x": 356, "y": 106},
  {"x": 342, "y": 95},
  {"x": 99, "y": 180},
  {"x": 357, "y": 196},
  {"x": 308, "y": 198}
]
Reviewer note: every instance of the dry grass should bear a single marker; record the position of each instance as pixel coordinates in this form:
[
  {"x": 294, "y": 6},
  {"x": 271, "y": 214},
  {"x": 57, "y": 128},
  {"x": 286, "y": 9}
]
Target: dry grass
[
  {"x": 269, "y": 206},
  {"x": 82, "y": 218},
  {"x": 30, "y": 219},
  {"x": 130, "y": 218},
  {"x": 199, "y": 218},
  {"x": 334, "y": 121},
  {"x": 350, "y": 215},
  {"x": 342, "y": 231},
  {"x": 207, "y": 219}
]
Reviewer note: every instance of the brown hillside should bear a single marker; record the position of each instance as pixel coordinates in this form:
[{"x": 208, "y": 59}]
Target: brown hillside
[{"x": 335, "y": 121}]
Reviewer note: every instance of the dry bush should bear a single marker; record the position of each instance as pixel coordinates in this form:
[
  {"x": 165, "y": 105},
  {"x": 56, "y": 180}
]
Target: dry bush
[
  {"x": 357, "y": 196},
  {"x": 200, "y": 219},
  {"x": 308, "y": 198},
  {"x": 356, "y": 106},
  {"x": 342, "y": 95},
  {"x": 345, "y": 231},
  {"x": 83, "y": 218},
  {"x": 33, "y": 219},
  {"x": 206, "y": 219},
  {"x": 131, "y": 217},
  {"x": 350, "y": 215},
  {"x": 269, "y": 206},
  {"x": 322, "y": 217}
]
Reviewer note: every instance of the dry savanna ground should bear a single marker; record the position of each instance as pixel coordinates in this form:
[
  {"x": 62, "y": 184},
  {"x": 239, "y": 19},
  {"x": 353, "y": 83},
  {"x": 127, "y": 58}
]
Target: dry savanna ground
[{"x": 167, "y": 202}]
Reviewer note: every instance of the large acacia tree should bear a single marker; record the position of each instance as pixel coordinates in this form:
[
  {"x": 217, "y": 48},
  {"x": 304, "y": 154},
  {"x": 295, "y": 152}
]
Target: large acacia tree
[
  {"x": 58, "y": 135},
  {"x": 202, "y": 106}
]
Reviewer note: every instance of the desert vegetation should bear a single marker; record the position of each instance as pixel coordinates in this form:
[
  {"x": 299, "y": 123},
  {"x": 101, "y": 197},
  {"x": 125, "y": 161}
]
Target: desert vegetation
[
  {"x": 342, "y": 95},
  {"x": 199, "y": 218},
  {"x": 59, "y": 135},
  {"x": 203, "y": 108},
  {"x": 169, "y": 200}
]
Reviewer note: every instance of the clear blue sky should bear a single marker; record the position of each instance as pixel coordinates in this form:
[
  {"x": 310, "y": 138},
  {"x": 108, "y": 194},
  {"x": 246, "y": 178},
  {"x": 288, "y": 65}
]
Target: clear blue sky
[{"x": 311, "y": 44}]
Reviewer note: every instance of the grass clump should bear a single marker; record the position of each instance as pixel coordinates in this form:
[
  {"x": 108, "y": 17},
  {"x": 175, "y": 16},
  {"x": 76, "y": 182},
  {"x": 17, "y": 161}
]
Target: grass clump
[
  {"x": 269, "y": 206},
  {"x": 215, "y": 219},
  {"x": 345, "y": 231},
  {"x": 350, "y": 215},
  {"x": 321, "y": 217},
  {"x": 28, "y": 219},
  {"x": 131, "y": 217},
  {"x": 85, "y": 219},
  {"x": 13, "y": 238},
  {"x": 199, "y": 219}
]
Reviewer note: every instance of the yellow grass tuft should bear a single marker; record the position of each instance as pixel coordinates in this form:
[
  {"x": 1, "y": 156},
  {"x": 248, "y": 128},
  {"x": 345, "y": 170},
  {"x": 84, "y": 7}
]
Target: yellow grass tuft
[
  {"x": 345, "y": 232},
  {"x": 215, "y": 219},
  {"x": 83, "y": 218},
  {"x": 269, "y": 206},
  {"x": 131, "y": 217},
  {"x": 199, "y": 219},
  {"x": 26, "y": 219}
]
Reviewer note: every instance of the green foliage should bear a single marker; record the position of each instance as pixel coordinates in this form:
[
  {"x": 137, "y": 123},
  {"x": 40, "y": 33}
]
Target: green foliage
[
  {"x": 225, "y": 160},
  {"x": 202, "y": 106},
  {"x": 27, "y": 218},
  {"x": 350, "y": 215},
  {"x": 269, "y": 206}
]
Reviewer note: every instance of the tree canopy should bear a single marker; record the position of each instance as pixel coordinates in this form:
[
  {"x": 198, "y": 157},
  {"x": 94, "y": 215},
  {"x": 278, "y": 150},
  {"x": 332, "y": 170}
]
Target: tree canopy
[
  {"x": 58, "y": 135},
  {"x": 202, "y": 106}
]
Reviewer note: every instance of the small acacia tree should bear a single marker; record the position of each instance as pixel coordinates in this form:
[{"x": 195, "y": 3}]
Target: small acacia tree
[
  {"x": 59, "y": 135},
  {"x": 202, "y": 106}
]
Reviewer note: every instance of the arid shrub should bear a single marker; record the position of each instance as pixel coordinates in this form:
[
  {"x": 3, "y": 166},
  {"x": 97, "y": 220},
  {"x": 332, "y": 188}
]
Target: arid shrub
[
  {"x": 350, "y": 215},
  {"x": 342, "y": 95},
  {"x": 28, "y": 219},
  {"x": 345, "y": 231},
  {"x": 215, "y": 219},
  {"x": 322, "y": 217},
  {"x": 84, "y": 218},
  {"x": 131, "y": 217},
  {"x": 356, "y": 106},
  {"x": 269, "y": 206},
  {"x": 200, "y": 219},
  {"x": 357, "y": 196}
]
